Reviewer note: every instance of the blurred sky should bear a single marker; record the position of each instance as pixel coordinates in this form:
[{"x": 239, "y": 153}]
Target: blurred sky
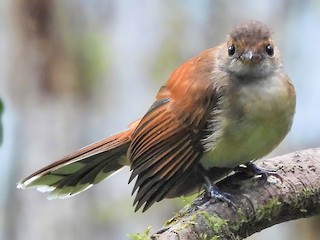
[{"x": 140, "y": 43}]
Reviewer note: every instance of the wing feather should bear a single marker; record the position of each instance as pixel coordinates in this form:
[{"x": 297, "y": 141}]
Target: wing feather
[
  {"x": 161, "y": 160},
  {"x": 161, "y": 153},
  {"x": 167, "y": 143},
  {"x": 156, "y": 187}
]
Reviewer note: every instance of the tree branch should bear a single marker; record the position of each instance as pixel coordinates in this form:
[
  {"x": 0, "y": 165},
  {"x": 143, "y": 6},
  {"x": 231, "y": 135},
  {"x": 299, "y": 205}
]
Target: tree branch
[{"x": 259, "y": 205}]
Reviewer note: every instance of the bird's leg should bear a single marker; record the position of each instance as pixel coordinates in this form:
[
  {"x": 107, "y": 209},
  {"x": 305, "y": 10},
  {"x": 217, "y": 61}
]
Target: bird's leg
[
  {"x": 212, "y": 191},
  {"x": 252, "y": 169}
]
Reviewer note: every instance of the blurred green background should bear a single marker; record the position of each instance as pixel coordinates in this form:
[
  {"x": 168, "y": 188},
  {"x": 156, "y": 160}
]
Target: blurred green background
[{"x": 73, "y": 72}]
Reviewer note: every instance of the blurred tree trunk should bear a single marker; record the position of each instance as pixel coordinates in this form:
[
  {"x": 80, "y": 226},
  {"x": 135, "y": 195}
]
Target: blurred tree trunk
[{"x": 46, "y": 88}]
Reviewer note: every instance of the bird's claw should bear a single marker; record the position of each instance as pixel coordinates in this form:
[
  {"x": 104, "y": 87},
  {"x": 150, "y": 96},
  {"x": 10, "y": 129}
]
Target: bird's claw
[
  {"x": 252, "y": 169},
  {"x": 214, "y": 194}
]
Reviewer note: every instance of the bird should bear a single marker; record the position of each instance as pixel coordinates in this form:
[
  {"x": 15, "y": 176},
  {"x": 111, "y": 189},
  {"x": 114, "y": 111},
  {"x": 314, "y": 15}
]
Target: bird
[{"x": 226, "y": 107}]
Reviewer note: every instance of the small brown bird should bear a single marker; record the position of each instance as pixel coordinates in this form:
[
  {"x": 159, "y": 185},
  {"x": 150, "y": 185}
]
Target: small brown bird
[{"x": 228, "y": 106}]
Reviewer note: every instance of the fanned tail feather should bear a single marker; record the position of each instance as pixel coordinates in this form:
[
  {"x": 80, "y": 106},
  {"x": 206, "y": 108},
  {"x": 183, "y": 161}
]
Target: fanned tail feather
[{"x": 81, "y": 170}]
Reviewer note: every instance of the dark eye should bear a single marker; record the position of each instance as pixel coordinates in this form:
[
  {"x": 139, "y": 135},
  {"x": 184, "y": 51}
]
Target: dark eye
[
  {"x": 269, "y": 50},
  {"x": 231, "y": 50}
]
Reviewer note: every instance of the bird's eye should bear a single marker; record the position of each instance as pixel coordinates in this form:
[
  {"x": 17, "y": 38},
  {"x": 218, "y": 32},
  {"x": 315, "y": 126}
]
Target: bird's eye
[
  {"x": 269, "y": 50},
  {"x": 231, "y": 50}
]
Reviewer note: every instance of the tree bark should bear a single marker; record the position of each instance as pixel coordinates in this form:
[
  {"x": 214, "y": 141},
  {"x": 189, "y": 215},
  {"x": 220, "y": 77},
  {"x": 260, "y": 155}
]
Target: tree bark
[{"x": 294, "y": 194}]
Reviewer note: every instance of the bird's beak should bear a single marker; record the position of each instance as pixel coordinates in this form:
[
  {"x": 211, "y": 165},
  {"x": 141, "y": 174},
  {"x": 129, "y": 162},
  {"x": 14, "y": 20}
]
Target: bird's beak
[{"x": 250, "y": 56}]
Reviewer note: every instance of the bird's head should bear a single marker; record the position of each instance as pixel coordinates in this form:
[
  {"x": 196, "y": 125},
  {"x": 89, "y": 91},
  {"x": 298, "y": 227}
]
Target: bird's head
[{"x": 250, "y": 51}]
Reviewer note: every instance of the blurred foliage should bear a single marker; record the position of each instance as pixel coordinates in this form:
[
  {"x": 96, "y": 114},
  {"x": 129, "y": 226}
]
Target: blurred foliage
[
  {"x": 89, "y": 52},
  {"x": 169, "y": 55},
  {"x": 1, "y": 129},
  {"x": 167, "y": 60}
]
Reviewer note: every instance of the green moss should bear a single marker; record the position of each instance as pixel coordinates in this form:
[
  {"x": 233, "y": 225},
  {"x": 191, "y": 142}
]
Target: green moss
[
  {"x": 307, "y": 192},
  {"x": 176, "y": 218},
  {"x": 268, "y": 209},
  {"x": 216, "y": 223},
  {"x": 141, "y": 236},
  {"x": 204, "y": 236},
  {"x": 138, "y": 236},
  {"x": 215, "y": 238},
  {"x": 242, "y": 219}
]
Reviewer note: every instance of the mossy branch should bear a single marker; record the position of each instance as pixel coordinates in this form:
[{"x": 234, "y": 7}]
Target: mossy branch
[{"x": 259, "y": 205}]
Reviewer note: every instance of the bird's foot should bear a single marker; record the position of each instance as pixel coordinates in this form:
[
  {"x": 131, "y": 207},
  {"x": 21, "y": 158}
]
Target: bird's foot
[
  {"x": 253, "y": 170},
  {"x": 213, "y": 193}
]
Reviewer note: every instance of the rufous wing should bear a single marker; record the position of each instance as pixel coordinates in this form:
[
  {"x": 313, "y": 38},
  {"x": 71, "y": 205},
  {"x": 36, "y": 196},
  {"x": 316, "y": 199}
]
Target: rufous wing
[
  {"x": 166, "y": 145},
  {"x": 161, "y": 153}
]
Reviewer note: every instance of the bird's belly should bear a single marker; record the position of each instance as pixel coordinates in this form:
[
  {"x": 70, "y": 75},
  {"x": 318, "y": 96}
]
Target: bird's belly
[{"x": 246, "y": 141}]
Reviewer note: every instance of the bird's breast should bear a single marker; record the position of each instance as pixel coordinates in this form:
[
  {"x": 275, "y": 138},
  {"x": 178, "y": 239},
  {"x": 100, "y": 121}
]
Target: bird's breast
[{"x": 250, "y": 123}]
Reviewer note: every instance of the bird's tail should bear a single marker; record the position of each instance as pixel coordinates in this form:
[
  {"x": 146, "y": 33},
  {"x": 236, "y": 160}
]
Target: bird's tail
[{"x": 82, "y": 169}]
